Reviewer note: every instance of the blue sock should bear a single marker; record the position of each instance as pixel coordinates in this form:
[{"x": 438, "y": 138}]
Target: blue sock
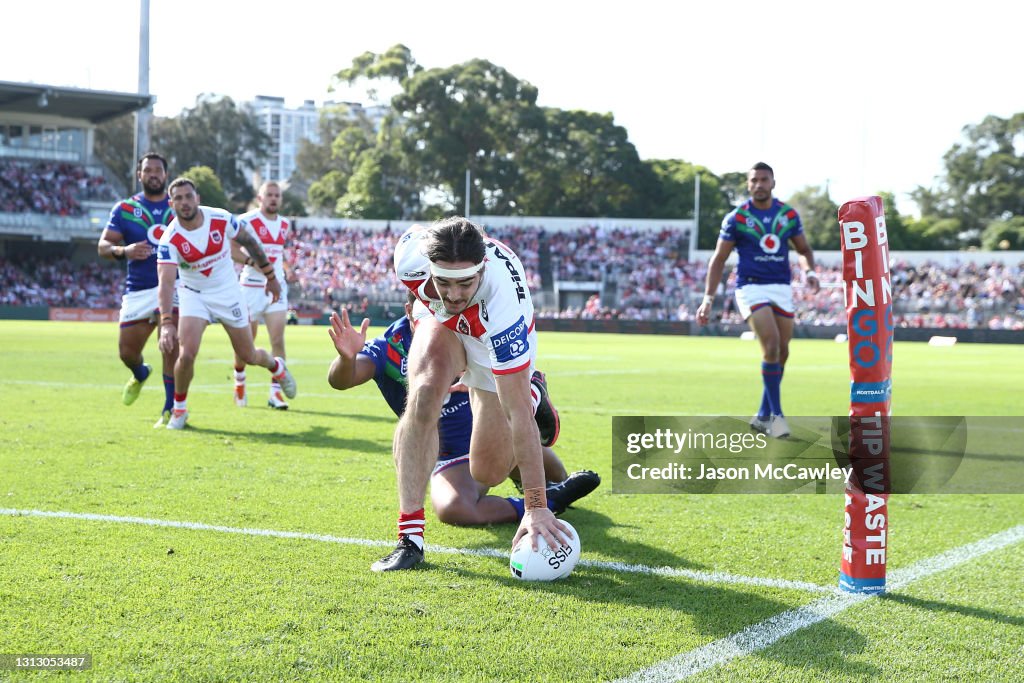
[
  {"x": 141, "y": 372},
  {"x": 168, "y": 392},
  {"x": 771, "y": 374},
  {"x": 520, "y": 507},
  {"x": 766, "y": 407}
]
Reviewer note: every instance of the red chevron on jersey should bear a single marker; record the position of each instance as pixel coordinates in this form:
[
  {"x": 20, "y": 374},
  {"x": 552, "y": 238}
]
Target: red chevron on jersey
[
  {"x": 265, "y": 236},
  {"x": 191, "y": 254},
  {"x": 467, "y": 322}
]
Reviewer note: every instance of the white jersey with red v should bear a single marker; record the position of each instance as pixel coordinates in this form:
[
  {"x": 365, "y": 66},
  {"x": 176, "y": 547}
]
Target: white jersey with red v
[
  {"x": 272, "y": 235},
  {"x": 203, "y": 255},
  {"x": 500, "y": 314}
]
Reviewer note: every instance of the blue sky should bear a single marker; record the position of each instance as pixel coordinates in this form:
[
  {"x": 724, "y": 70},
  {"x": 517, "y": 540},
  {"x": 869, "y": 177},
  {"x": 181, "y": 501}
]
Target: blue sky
[{"x": 863, "y": 100}]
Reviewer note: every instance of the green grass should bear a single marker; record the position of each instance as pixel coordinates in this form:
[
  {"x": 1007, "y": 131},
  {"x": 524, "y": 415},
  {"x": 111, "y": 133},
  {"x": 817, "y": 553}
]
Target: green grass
[{"x": 156, "y": 603}]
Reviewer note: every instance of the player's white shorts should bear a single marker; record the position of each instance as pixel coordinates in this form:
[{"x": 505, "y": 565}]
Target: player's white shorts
[
  {"x": 478, "y": 362},
  {"x": 142, "y": 305},
  {"x": 258, "y": 300},
  {"x": 226, "y": 305},
  {"x": 749, "y": 298}
]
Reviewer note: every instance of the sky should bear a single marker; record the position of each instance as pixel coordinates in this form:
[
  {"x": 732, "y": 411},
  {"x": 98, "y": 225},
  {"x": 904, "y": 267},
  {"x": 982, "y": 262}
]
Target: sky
[{"x": 860, "y": 96}]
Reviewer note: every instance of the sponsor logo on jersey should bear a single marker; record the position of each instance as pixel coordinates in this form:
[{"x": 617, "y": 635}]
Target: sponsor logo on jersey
[
  {"x": 516, "y": 279},
  {"x": 770, "y": 243},
  {"x": 512, "y": 342},
  {"x": 483, "y": 311},
  {"x": 414, "y": 274},
  {"x": 165, "y": 253}
]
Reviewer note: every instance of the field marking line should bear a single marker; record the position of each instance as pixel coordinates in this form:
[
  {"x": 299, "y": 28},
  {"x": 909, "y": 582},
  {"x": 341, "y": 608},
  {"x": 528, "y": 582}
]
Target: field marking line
[
  {"x": 692, "y": 574},
  {"x": 761, "y": 635}
]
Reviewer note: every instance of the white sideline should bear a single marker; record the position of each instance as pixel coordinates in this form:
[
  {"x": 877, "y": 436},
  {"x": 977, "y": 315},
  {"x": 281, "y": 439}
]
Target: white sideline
[
  {"x": 761, "y": 635},
  {"x": 695, "y": 575}
]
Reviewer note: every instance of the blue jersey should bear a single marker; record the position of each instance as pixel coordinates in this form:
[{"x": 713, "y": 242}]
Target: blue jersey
[
  {"x": 762, "y": 241},
  {"x": 389, "y": 353},
  {"x": 137, "y": 219}
]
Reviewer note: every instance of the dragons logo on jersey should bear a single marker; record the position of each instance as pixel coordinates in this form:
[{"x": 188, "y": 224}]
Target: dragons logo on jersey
[{"x": 215, "y": 237}]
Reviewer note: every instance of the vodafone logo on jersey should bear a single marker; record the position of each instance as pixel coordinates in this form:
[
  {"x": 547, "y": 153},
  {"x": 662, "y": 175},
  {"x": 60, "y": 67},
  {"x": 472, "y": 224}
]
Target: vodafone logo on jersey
[
  {"x": 155, "y": 232},
  {"x": 770, "y": 244}
]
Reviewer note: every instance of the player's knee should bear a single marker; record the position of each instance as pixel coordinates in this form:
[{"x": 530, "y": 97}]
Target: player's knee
[
  {"x": 425, "y": 401},
  {"x": 487, "y": 473},
  {"x": 187, "y": 355},
  {"x": 771, "y": 349},
  {"x": 457, "y": 512}
]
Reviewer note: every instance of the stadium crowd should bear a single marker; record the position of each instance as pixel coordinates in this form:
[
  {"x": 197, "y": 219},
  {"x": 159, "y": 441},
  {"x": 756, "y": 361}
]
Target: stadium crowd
[
  {"x": 645, "y": 273},
  {"x": 52, "y": 188},
  {"x": 56, "y": 282}
]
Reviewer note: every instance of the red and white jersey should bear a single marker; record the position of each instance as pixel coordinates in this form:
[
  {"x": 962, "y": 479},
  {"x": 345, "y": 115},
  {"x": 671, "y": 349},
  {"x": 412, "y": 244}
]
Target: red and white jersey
[
  {"x": 203, "y": 255},
  {"x": 272, "y": 235},
  {"x": 500, "y": 314}
]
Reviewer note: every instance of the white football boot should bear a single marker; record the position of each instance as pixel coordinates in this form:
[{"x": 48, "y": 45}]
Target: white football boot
[{"x": 178, "y": 418}]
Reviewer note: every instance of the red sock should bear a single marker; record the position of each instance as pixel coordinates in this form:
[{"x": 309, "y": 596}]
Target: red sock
[{"x": 411, "y": 525}]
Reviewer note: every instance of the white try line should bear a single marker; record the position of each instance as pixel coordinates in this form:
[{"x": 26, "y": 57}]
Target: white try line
[
  {"x": 692, "y": 574},
  {"x": 760, "y": 636}
]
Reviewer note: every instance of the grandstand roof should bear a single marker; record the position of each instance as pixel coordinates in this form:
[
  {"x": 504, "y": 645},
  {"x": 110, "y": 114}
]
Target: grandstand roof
[{"x": 96, "y": 106}]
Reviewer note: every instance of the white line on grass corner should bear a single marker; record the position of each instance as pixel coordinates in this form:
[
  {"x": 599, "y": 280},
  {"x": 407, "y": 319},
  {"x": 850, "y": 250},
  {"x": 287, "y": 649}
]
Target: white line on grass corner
[
  {"x": 761, "y": 635},
  {"x": 694, "y": 575}
]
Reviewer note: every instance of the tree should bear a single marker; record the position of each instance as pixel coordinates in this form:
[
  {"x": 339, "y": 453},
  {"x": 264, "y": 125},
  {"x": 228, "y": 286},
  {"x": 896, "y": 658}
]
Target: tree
[
  {"x": 345, "y": 134},
  {"x": 672, "y": 196},
  {"x": 819, "y": 215},
  {"x": 373, "y": 190},
  {"x": 115, "y": 148},
  {"x": 1008, "y": 234},
  {"x": 211, "y": 192},
  {"x": 474, "y": 116},
  {"x": 218, "y": 134},
  {"x": 580, "y": 164},
  {"x": 985, "y": 172}
]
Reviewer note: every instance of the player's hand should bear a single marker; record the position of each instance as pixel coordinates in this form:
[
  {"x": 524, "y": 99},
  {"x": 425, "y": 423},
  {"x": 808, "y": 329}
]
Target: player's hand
[
  {"x": 168, "y": 338},
  {"x": 348, "y": 341},
  {"x": 542, "y": 522},
  {"x": 273, "y": 288},
  {"x": 138, "y": 251},
  {"x": 812, "y": 282},
  {"x": 703, "y": 313}
]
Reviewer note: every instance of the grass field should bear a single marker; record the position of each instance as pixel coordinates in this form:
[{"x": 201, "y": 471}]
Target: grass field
[{"x": 240, "y": 548}]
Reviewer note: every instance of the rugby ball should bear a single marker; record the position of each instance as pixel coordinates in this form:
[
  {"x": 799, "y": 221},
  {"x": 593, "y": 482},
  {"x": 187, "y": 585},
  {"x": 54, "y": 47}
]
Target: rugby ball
[{"x": 545, "y": 563}]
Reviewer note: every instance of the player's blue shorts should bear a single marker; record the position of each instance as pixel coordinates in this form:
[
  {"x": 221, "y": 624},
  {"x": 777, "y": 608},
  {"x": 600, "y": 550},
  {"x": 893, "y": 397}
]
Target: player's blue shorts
[{"x": 454, "y": 429}]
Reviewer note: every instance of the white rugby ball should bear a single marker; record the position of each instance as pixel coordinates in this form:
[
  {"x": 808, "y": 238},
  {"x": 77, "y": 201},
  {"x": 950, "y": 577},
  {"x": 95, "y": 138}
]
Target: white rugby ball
[{"x": 545, "y": 563}]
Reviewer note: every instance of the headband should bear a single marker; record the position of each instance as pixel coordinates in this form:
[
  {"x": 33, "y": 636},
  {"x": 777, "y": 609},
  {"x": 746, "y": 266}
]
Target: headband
[{"x": 438, "y": 271}]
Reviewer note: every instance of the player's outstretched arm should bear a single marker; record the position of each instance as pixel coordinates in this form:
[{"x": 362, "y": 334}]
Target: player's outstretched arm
[
  {"x": 514, "y": 395},
  {"x": 350, "y": 368},
  {"x": 247, "y": 240}
]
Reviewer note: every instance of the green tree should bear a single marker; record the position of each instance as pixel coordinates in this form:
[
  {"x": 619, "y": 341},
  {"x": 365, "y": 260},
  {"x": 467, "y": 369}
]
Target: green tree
[
  {"x": 474, "y": 116},
  {"x": 985, "y": 172},
  {"x": 581, "y": 164},
  {"x": 323, "y": 168},
  {"x": 219, "y": 134},
  {"x": 819, "y": 215},
  {"x": 1008, "y": 234},
  {"x": 114, "y": 146},
  {"x": 211, "y": 192},
  {"x": 672, "y": 196},
  {"x": 374, "y": 189}
]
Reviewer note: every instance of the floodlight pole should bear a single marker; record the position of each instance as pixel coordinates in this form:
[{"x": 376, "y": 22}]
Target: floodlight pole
[{"x": 143, "y": 115}]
